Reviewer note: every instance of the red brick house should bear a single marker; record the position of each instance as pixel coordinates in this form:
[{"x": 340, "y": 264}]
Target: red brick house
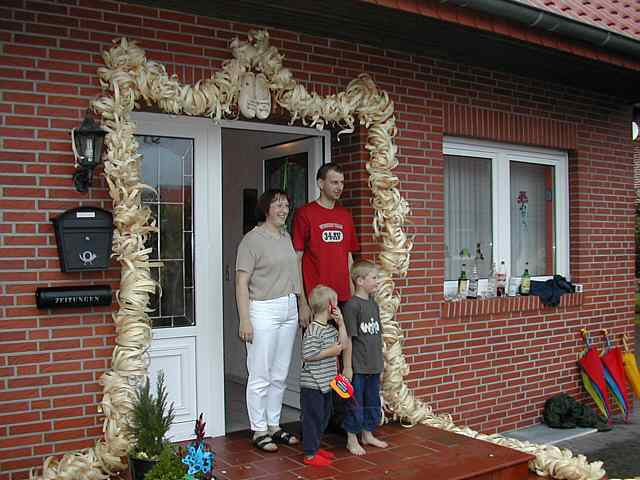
[{"x": 492, "y": 99}]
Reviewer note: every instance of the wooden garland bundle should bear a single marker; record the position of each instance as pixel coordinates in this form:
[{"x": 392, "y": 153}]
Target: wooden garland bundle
[{"x": 128, "y": 79}]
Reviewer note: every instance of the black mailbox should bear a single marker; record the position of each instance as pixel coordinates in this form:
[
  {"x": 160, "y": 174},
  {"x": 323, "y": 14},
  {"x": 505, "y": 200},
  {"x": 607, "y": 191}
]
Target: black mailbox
[{"x": 84, "y": 237}]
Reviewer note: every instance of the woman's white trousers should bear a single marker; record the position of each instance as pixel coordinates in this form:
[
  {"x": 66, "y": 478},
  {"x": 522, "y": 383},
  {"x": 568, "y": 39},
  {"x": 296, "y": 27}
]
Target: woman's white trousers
[{"x": 275, "y": 324}]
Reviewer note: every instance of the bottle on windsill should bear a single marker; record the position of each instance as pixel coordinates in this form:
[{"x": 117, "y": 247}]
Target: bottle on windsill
[
  {"x": 473, "y": 282},
  {"x": 501, "y": 280},
  {"x": 525, "y": 285},
  {"x": 491, "y": 282},
  {"x": 463, "y": 282}
]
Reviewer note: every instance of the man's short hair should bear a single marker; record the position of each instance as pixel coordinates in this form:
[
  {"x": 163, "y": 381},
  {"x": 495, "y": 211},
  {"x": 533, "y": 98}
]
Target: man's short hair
[
  {"x": 362, "y": 268},
  {"x": 324, "y": 169},
  {"x": 320, "y": 298}
]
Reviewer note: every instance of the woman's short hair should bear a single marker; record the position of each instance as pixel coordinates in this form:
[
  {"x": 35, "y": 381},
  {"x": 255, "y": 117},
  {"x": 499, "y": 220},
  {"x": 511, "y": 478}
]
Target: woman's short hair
[
  {"x": 361, "y": 269},
  {"x": 324, "y": 169},
  {"x": 265, "y": 201},
  {"x": 320, "y": 298}
]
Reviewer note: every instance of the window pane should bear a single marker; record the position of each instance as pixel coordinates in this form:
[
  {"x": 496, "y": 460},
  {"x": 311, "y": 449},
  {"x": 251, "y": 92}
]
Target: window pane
[
  {"x": 532, "y": 218},
  {"x": 467, "y": 200},
  {"x": 167, "y": 166}
]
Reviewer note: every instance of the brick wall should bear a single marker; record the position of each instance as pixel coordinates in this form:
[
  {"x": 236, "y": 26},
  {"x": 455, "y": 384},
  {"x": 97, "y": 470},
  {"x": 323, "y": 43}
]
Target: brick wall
[{"x": 491, "y": 371}]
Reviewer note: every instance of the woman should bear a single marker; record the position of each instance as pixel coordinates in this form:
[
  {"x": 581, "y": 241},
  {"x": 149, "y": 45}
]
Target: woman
[{"x": 267, "y": 283}]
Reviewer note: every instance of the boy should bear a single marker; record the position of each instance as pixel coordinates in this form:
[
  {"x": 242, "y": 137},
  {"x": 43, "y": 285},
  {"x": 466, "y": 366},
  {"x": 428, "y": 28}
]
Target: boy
[
  {"x": 321, "y": 345},
  {"x": 363, "y": 362}
]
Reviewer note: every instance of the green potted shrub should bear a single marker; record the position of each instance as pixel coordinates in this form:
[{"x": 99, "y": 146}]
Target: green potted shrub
[
  {"x": 149, "y": 423},
  {"x": 169, "y": 466}
]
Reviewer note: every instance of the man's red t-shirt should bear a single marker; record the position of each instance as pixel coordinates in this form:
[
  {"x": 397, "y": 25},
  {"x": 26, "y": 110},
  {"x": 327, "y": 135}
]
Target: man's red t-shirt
[{"x": 326, "y": 236}]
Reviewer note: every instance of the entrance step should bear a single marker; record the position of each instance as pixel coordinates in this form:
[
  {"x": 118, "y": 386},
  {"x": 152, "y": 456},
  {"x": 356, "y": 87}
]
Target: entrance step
[{"x": 414, "y": 453}]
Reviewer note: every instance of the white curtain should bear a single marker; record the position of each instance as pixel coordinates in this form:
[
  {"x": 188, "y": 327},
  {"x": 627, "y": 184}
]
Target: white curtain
[
  {"x": 532, "y": 235},
  {"x": 467, "y": 199}
]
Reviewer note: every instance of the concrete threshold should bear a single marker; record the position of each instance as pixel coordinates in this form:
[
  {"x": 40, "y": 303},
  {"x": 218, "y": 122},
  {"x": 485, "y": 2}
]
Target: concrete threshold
[{"x": 543, "y": 434}]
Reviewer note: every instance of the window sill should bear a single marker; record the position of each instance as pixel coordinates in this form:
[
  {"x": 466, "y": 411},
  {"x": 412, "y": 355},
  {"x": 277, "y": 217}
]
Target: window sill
[{"x": 493, "y": 306}]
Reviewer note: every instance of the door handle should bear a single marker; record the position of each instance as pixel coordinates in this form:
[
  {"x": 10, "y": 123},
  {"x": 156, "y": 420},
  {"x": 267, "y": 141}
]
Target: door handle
[{"x": 227, "y": 273}]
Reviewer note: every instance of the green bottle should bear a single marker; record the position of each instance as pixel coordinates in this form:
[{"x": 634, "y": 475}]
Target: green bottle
[
  {"x": 525, "y": 285},
  {"x": 463, "y": 282}
]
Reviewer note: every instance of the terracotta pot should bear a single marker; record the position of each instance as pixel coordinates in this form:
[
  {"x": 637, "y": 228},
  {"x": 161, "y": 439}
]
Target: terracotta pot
[{"x": 140, "y": 467}]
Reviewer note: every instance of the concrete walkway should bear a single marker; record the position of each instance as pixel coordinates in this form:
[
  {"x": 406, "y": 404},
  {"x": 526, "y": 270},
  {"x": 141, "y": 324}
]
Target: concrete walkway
[{"x": 619, "y": 448}]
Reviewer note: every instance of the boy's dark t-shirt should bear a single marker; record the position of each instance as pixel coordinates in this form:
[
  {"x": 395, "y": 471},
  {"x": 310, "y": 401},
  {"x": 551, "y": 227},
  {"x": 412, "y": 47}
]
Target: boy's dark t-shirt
[{"x": 362, "y": 320}]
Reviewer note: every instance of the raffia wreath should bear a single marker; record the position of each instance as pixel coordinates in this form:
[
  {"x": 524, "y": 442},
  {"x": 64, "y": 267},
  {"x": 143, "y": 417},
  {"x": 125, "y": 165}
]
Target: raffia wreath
[{"x": 128, "y": 79}]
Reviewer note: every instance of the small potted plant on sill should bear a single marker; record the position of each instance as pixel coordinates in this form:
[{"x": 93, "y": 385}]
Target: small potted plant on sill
[{"x": 149, "y": 423}]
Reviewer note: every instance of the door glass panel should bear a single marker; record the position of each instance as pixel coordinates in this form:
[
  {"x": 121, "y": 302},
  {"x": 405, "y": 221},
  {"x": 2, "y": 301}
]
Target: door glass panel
[
  {"x": 167, "y": 166},
  {"x": 291, "y": 174},
  {"x": 153, "y": 240},
  {"x": 171, "y": 231},
  {"x": 532, "y": 218},
  {"x": 468, "y": 214}
]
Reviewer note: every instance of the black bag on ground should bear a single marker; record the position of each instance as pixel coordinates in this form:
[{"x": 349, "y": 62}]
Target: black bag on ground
[{"x": 563, "y": 411}]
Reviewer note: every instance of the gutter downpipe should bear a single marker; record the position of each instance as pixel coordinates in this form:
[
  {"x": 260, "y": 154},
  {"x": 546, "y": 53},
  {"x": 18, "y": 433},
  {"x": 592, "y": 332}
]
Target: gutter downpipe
[{"x": 551, "y": 22}]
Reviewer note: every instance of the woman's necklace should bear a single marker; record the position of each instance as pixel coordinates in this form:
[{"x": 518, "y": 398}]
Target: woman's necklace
[{"x": 275, "y": 231}]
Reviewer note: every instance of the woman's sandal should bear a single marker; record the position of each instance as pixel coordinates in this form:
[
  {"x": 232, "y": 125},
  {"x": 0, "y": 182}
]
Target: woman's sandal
[
  {"x": 262, "y": 442},
  {"x": 284, "y": 438}
]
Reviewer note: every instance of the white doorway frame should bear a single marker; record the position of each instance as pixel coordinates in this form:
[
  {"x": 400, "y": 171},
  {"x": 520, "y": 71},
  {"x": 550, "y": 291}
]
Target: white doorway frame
[
  {"x": 274, "y": 128},
  {"x": 304, "y": 139}
]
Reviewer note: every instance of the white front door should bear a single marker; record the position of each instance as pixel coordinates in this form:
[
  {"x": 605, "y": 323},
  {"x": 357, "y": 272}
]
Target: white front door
[{"x": 182, "y": 162}]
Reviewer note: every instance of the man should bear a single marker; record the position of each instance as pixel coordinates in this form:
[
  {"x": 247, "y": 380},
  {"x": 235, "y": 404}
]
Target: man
[{"x": 324, "y": 238}]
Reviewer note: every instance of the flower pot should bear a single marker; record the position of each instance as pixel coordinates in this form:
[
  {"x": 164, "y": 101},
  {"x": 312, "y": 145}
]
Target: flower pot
[{"x": 140, "y": 467}]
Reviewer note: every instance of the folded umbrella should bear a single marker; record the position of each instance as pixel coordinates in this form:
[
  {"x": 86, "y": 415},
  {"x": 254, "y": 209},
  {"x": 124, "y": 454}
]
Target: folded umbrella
[
  {"x": 631, "y": 367},
  {"x": 592, "y": 373},
  {"x": 614, "y": 374}
]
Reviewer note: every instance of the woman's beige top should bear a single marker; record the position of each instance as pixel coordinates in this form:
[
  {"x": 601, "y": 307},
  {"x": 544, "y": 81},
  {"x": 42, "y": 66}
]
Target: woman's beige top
[{"x": 271, "y": 262}]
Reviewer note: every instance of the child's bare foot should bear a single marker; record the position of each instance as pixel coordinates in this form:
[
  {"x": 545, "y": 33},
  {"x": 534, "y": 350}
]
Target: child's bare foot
[
  {"x": 353, "y": 445},
  {"x": 369, "y": 439}
]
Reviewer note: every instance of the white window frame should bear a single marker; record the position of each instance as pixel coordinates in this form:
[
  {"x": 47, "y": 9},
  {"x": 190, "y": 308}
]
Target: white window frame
[{"x": 501, "y": 154}]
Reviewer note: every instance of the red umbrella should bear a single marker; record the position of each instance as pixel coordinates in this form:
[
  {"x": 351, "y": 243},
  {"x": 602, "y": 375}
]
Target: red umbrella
[
  {"x": 614, "y": 375},
  {"x": 593, "y": 376}
]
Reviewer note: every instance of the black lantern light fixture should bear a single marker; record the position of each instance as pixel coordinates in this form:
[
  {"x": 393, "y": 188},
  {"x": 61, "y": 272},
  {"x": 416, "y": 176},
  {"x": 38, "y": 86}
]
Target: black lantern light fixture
[{"x": 87, "y": 144}]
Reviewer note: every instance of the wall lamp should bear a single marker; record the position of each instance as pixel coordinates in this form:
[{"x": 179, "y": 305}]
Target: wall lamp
[{"x": 86, "y": 142}]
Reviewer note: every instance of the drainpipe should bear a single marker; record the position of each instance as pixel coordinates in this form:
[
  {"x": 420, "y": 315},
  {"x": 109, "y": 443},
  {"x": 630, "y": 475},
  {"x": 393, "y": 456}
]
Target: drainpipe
[{"x": 535, "y": 18}]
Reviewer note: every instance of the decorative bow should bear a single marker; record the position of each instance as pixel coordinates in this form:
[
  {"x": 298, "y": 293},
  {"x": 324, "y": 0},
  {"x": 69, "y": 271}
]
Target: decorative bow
[{"x": 198, "y": 460}]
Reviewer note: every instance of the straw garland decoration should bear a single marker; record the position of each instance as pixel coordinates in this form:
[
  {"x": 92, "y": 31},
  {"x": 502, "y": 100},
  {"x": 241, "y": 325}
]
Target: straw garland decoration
[{"x": 127, "y": 80}]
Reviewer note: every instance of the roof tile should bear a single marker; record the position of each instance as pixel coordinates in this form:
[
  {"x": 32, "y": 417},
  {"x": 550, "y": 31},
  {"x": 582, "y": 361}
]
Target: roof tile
[{"x": 622, "y": 17}]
